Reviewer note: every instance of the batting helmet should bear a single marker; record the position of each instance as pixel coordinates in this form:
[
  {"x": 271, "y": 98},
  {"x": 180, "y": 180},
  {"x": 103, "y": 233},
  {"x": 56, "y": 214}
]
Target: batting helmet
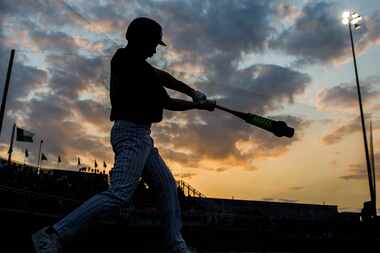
[{"x": 144, "y": 29}]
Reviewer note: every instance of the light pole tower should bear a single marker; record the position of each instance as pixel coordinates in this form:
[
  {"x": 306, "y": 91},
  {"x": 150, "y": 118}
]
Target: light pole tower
[{"x": 352, "y": 19}]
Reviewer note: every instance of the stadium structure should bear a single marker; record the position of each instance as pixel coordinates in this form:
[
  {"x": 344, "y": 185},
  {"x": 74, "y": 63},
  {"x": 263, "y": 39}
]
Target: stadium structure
[{"x": 32, "y": 198}]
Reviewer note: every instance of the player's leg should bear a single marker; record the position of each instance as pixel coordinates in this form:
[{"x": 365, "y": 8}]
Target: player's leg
[
  {"x": 132, "y": 145},
  {"x": 158, "y": 176}
]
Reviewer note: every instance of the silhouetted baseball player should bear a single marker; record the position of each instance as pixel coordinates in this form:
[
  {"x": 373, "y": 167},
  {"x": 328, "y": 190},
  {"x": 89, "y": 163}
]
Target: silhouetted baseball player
[{"x": 138, "y": 98}]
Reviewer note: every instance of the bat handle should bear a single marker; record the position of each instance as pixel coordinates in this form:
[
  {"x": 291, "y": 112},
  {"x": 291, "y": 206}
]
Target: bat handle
[{"x": 241, "y": 115}]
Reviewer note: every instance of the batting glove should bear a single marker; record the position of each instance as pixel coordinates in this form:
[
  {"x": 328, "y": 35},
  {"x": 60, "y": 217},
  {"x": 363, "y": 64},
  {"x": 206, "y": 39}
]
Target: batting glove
[{"x": 198, "y": 97}]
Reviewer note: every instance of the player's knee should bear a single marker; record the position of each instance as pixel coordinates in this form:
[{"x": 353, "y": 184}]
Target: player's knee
[{"x": 121, "y": 197}]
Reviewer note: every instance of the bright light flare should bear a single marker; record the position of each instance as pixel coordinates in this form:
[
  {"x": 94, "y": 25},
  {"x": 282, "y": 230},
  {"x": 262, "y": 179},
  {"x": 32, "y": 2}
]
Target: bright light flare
[
  {"x": 345, "y": 21},
  {"x": 356, "y": 20},
  {"x": 346, "y": 15},
  {"x": 355, "y": 15}
]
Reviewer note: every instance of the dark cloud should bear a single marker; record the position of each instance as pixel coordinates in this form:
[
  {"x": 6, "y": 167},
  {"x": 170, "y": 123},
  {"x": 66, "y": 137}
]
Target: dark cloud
[
  {"x": 345, "y": 95},
  {"x": 258, "y": 88},
  {"x": 297, "y": 188},
  {"x": 187, "y": 175},
  {"x": 351, "y": 127},
  {"x": 50, "y": 121},
  {"x": 263, "y": 88},
  {"x": 54, "y": 41},
  {"x": 211, "y": 35},
  {"x": 218, "y": 138},
  {"x": 43, "y": 15},
  {"x": 24, "y": 78},
  {"x": 216, "y": 45},
  {"x": 47, "y": 101},
  {"x": 188, "y": 160},
  {"x": 57, "y": 116},
  {"x": 319, "y": 36},
  {"x": 288, "y": 200},
  {"x": 94, "y": 113},
  {"x": 109, "y": 16},
  {"x": 373, "y": 26},
  {"x": 281, "y": 200},
  {"x": 221, "y": 169},
  {"x": 71, "y": 74},
  {"x": 223, "y": 26},
  {"x": 359, "y": 171},
  {"x": 285, "y": 10},
  {"x": 337, "y": 134},
  {"x": 15, "y": 8}
]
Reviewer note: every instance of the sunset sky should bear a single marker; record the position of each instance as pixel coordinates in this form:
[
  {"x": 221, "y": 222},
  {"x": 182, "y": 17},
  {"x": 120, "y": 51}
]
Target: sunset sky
[{"x": 288, "y": 60}]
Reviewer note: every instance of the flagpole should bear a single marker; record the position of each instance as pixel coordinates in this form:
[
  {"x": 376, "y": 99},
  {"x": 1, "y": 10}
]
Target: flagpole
[
  {"x": 5, "y": 93},
  {"x": 39, "y": 156},
  {"x": 373, "y": 166},
  {"x": 11, "y": 144},
  {"x": 78, "y": 162}
]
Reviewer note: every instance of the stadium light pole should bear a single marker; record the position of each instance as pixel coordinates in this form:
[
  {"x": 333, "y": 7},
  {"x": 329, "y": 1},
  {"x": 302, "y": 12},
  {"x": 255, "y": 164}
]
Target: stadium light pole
[{"x": 352, "y": 19}]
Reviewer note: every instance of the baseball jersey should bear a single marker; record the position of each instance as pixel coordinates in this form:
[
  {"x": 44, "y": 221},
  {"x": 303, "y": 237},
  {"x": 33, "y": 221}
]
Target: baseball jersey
[{"x": 135, "y": 91}]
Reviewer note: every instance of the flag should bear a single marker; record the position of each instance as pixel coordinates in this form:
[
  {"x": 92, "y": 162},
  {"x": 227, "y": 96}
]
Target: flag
[
  {"x": 78, "y": 161},
  {"x": 26, "y": 153},
  {"x": 96, "y": 164},
  {"x": 23, "y": 135},
  {"x": 104, "y": 164},
  {"x": 59, "y": 159},
  {"x": 43, "y": 157}
]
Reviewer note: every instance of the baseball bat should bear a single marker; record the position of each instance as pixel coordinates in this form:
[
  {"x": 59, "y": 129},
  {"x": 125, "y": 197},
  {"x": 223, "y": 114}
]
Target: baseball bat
[{"x": 278, "y": 128}]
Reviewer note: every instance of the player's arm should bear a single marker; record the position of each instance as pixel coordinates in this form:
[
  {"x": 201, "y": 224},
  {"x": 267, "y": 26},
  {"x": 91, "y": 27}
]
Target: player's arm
[
  {"x": 174, "y": 104},
  {"x": 170, "y": 82}
]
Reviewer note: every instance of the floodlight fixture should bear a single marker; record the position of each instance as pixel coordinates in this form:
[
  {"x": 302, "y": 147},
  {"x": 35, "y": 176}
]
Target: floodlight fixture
[
  {"x": 356, "y": 20},
  {"x": 352, "y": 18}
]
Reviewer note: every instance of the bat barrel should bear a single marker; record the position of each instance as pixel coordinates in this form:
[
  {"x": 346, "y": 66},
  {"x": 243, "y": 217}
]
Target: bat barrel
[{"x": 278, "y": 128}]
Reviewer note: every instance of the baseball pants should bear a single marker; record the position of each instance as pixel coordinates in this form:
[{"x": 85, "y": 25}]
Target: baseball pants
[{"x": 135, "y": 157}]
